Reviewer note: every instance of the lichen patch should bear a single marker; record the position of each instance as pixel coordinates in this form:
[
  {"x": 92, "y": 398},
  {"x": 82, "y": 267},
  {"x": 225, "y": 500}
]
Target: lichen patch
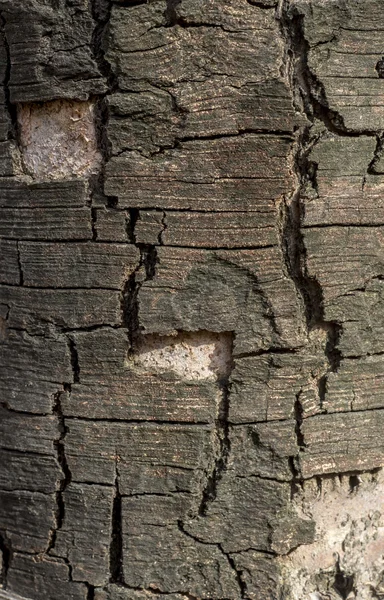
[
  {"x": 200, "y": 355},
  {"x": 58, "y": 140}
]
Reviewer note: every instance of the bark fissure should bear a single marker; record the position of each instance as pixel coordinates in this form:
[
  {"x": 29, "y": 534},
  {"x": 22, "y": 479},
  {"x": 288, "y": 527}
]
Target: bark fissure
[
  {"x": 145, "y": 271},
  {"x": 164, "y": 227},
  {"x": 237, "y": 572},
  {"x": 116, "y": 546},
  {"x": 179, "y": 140},
  {"x": 6, "y": 552},
  {"x": 59, "y": 447},
  {"x": 11, "y": 108},
  {"x": 21, "y": 272},
  {"x": 74, "y": 359},
  {"x": 91, "y": 591},
  {"x": 309, "y": 92},
  {"x": 223, "y": 439},
  {"x": 310, "y": 98}
]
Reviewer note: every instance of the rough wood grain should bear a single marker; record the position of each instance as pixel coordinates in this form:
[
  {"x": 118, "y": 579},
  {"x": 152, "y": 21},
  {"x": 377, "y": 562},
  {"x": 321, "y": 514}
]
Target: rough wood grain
[
  {"x": 45, "y": 364},
  {"x": 342, "y": 442},
  {"x": 35, "y": 433},
  {"x": 228, "y": 173},
  {"x": 28, "y": 518},
  {"x": 112, "y": 226},
  {"x": 85, "y": 536},
  {"x": 345, "y": 191},
  {"x": 149, "y": 458},
  {"x": 265, "y": 388},
  {"x": 21, "y": 470},
  {"x": 31, "y": 576},
  {"x": 231, "y": 84},
  {"x": 345, "y": 60},
  {"x": 250, "y": 505},
  {"x": 117, "y": 592},
  {"x": 243, "y": 290},
  {"x": 53, "y": 194},
  {"x": 77, "y": 265},
  {"x": 344, "y": 259},
  {"x": 150, "y": 398},
  {"x": 208, "y": 230},
  {"x": 39, "y": 310},
  {"x": 54, "y": 58},
  {"x": 9, "y": 263},
  {"x": 45, "y": 224},
  {"x": 202, "y": 569},
  {"x": 113, "y": 387},
  {"x": 259, "y": 573},
  {"x": 263, "y": 450}
]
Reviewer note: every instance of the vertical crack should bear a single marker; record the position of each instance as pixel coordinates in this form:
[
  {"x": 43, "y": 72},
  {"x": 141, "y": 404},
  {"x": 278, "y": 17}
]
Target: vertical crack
[
  {"x": 309, "y": 93},
  {"x": 101, "y": 13},
  {"x": 74, "y": 359},
  {"x": 145, "y": 271},
  {"x": 11, "y": 108},
  {"x": 116, "y": 546},
  {"x": 309, "y": 98},
  {"x": 134, "y": 216},
  {"x": 238, "y": 572},
  {"x": 294, "y": 461},
  {"x": 93, "y": 224},
  {"x": 292, "y": 240},
  {"x": 170, "y": 13},
  {"x": 373, "y": 167},
  {"x": 6, "y": 551},
  {"x": 223, "y": 437},
  {"x": 21, "y": 272},
  {"x": 164, "y": 226},
  {"x": 90, "y": 592},
  {"x": 59, "y": 447}
]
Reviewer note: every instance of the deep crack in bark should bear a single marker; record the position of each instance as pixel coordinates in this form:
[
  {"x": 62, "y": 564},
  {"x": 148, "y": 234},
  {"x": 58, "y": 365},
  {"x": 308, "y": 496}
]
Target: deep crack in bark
[
  {"x": 223, "y": 438},
  {"x": 74, "y": 359},
  {"x": 59, "y": 446},
  {"x": 11, "y": 108},
  {"x": 116, "y": 546},
  {"x": 6, "y": 552},
  {"x": 310, "y": 98},
  {"x": 238, "y": 572}
]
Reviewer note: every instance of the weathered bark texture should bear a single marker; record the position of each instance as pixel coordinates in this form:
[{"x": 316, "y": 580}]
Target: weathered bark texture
[{"x": 191, "y": 299}]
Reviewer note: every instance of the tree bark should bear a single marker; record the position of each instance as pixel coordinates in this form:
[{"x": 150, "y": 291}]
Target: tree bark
[{"x": 191, "y": 299}]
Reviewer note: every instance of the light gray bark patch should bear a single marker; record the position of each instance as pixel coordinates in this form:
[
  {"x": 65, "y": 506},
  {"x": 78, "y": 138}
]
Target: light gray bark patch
[
  {"x": 346, "y": 557},
  {"x": 199, "y": 355},
  {"x": 58, "y": 139}
]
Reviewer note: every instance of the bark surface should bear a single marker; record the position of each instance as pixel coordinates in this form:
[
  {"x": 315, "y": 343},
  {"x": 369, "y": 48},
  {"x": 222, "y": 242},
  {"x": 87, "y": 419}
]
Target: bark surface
[{"x": 191, "y": 299}]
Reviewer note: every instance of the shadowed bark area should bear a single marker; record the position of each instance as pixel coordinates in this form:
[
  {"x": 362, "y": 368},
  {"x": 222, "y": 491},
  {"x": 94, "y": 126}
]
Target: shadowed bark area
[{"x": 191, "y": 300}]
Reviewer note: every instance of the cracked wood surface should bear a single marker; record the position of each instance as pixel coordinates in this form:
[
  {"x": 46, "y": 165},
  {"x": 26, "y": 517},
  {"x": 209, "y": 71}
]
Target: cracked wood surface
[{"x": 239, "y": 199}]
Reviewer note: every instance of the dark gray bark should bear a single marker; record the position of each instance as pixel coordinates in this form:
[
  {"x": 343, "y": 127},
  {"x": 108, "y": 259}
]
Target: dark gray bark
[{"x": 191, "y": 299}]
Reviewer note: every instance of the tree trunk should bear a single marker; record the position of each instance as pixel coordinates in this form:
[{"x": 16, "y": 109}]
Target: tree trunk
[{"x": 191, "y": 299}]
